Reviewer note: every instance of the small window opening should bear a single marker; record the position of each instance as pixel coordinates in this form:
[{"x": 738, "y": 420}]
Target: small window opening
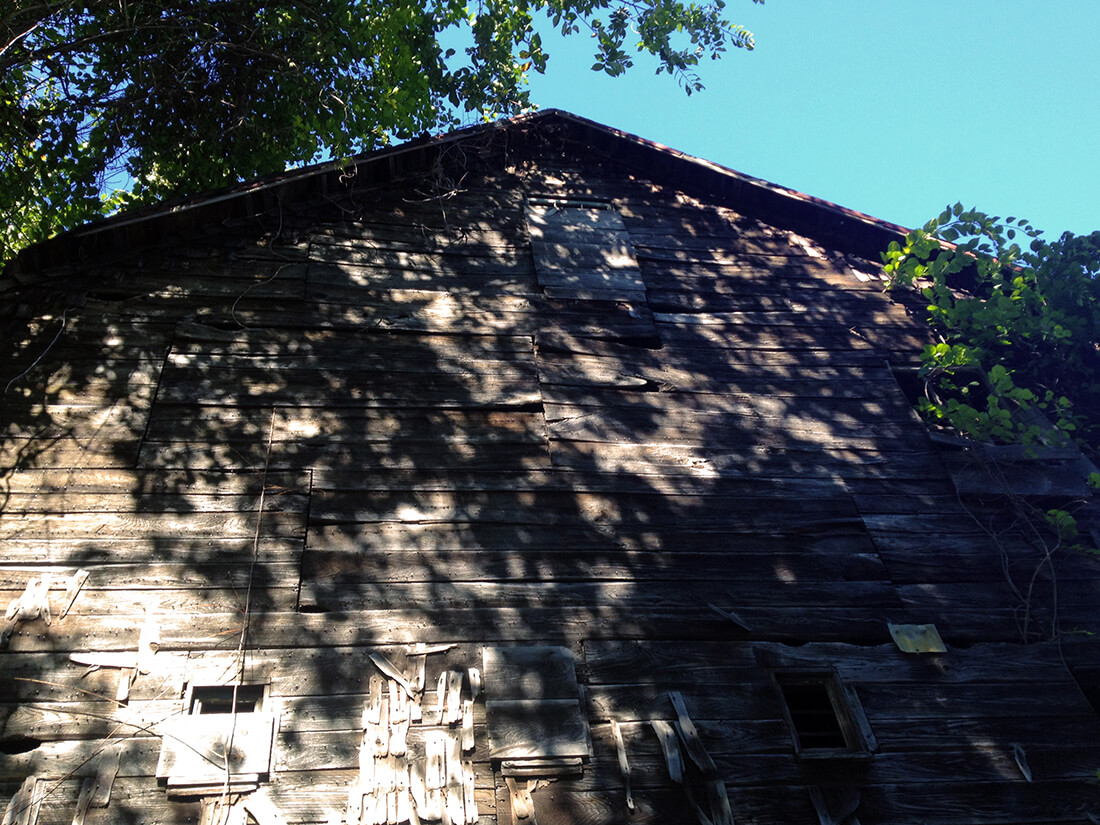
[
  {"x": 812, "y": 712},
  {"x": 824, "y": 715},
  {"x": 227, "y": 699},
  {"x": 1088, "y": 681}
]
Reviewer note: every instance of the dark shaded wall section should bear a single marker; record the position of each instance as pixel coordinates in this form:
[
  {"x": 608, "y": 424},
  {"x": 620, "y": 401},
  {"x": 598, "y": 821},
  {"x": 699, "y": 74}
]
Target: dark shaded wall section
[{"x": 330, "y": 420}]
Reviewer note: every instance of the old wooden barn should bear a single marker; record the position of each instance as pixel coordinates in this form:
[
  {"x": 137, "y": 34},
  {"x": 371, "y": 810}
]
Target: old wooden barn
[{"x": 533, "y": 473}]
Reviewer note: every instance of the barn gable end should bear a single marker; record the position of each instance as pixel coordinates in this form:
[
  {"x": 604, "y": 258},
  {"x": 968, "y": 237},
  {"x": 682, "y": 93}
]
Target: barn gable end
[{"x": 532, "y": 473}]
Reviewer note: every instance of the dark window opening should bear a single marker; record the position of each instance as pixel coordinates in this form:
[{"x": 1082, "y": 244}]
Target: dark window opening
[
  {"x": 1089, "y": 682},
  {"x": 812, "y": 713},
  {"x": 825, "y": 716},
  {"x": 227, "y": 699}
]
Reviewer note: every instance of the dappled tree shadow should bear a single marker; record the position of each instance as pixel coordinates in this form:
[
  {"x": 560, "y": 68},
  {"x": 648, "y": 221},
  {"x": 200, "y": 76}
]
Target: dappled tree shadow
[{"x": 358, "y": 422}]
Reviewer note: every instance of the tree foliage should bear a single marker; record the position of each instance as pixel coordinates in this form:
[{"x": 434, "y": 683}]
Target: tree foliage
[
  {"x": 1019, "y": 326},
  {"x": 179, "y": 96}
]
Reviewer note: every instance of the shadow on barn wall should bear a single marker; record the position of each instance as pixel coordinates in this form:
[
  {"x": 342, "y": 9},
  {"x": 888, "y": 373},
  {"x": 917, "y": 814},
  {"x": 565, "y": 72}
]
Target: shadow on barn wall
[{"x": 446, "y": 450}]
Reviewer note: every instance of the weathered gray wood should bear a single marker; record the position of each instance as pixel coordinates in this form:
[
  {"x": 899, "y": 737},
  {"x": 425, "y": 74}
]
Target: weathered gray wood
[
  {"x": 325, "y": 426},
  {"x": 628, "y": 596},
  {"x": 281, "y": 501},
  {"x": 251, "y": 388},
  {"x": 635, "y": 510},
  {"x": 359, "y": 358},
  {"x": 136, "y": 483},
  {"x": 558, "y": 480},
  {"x": 791, "y": 461},
  {"x": 482, "y": 460},
  {"x": 830, "y": 541},
  {"x": 326, "y": 568},
  {"x": 73, "y": 552},
  {"x": 490, "y": 260},
  {"x": 423, "y": 454},
  {"x": 24, "y": 453},
  {"x": 393, "y": 234},
  {"x": 741, "y": 770},
  {"x": 105, "y": 526},
  {"x": 322, "y": 342},
  {"x": 730, "y": 663},
  {"x": 199, "y": 574},
  {"x": 675, "y": 373}
]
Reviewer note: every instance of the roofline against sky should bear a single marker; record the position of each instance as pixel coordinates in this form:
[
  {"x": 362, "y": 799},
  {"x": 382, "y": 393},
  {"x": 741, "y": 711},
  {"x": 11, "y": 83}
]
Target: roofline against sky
[
  {"x": 29, "y": 259},
  {"x": 740, "y": 176}
]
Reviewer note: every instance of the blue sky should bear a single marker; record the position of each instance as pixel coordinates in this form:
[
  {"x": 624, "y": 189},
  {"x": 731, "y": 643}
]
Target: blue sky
[{"x": 891, "y": 107}]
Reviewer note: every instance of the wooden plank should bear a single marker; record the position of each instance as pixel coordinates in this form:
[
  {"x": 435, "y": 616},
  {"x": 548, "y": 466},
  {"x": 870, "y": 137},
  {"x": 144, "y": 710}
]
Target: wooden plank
[
  {"x": 738, "y": 395},
  {"x": 87, "y": 551},
  {"x": 491, "y": 260},
  {"x": 590, "y": 424},
  {"x": 341, "y": 282},
  {"x": 702, "y": 357},
  {"x": 280, "y": 594},
  {"x": 251, "y": 388},
  {"x": 711, "y": 248},
  {"x": 630, "y": 597},
  {"x": 448, "y": 358},
  {"x": 26, "y": 453},
  {"x": 387, "y": 539},
  {"x": 615, "y": 283},
  {"x": 338, "y": 456},
  {"x": 707, "y": 374},
  {"x": 377, "y": 231},
  {"x": 995, "y": 700},
  {"x": 637, "y": 510},
  {"x": 180, "y": 422},
  {"x": 83, "y": 424},
  {"x": 724, "y": 557},
  {"x": 774, "y": 337},
  {"x": 310, "y": 370},
  {"x": 581, "y": 482},
  {"x": 89, "y": 336},
  {"x": 320, "y": 342},
  {"x": 33, "y": 678},
  {"x": 841, "y": 417},
  {"x": 442, "y": 316},
  {"x": 62, "y": 387},
  {"x": 987, "y": 802},
  {"x": 61, "y": 760},
  {"x": 138, "y": 483},
  {"x": 799, "y": 316},
  {"x": 153, "y": 575},
  {"x": 106, "y": 526},
  {"x": 563, "y": 251},
  {"x": 675, "y": 300},
  {"x": 542, "y": 624},
  {"x": 206, "y": 281},
  {"x": 723, "y": 665},
  {"x": 791, "y": 461},
  {"x": 71, "y": 503},
  {"x": 978, "y": 762}
]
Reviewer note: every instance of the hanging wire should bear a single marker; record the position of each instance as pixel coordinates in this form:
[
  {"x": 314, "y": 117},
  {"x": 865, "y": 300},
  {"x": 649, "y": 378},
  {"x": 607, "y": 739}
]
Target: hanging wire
[
  {"x": 64, "y": 323},
  {"x": 224, "y": 808}
]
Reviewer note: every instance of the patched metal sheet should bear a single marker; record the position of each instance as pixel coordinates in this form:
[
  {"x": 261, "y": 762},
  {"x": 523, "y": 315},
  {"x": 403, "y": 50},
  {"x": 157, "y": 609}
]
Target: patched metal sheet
[{"x": 917, "y": 638}]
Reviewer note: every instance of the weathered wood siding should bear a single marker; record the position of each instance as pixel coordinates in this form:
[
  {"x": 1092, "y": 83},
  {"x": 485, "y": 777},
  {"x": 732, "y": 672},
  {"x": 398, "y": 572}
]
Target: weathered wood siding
[{"x": 446, "y": 451}]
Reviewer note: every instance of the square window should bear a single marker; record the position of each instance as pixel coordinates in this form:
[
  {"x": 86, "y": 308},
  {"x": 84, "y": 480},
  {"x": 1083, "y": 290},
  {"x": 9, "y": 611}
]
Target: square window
[
  {"x": 224, "y": 731},
  {"x": 824, "y": 716}
]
